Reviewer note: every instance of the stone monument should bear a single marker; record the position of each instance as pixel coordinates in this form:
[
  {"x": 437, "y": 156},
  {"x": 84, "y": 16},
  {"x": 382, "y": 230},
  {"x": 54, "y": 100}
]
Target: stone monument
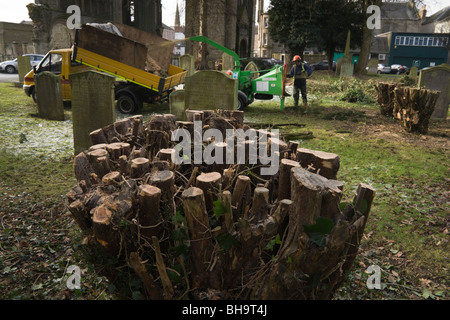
[
  {"x": 23, "y": 66},
  {"x": 347, "y": 64},
  {"x": 177, "y": 105},
  {"x": 49, "y": 96},
  {"x": 187, "y": 63},
  {"x": 211, "y": 90},
  {"x": 437, "y": 78},
  {"x": 92, "y": 105}
]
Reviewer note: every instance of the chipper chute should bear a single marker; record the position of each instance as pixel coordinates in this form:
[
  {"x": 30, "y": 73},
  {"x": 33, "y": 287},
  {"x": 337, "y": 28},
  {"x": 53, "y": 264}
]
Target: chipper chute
[{"x": 251, "y": 86}]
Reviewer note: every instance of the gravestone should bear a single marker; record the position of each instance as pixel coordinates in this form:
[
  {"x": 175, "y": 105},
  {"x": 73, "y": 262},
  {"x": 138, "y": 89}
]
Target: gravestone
[
  {"x": 346, "y": 69},
  {"x": 187, "y": 63},
  {"x": 92, "y": 105},
  {"x": 437, "y": 78},
  {"x": 23, "y": 67},
  {"x": 49, "y": 96},
  {"x": 413, "y": 72},
  {"x": 227, "y": 62},
  {"x": 372, "y": 66},
  {"x": 210, "y": 90},
  {"x": 177, "y": 105}
]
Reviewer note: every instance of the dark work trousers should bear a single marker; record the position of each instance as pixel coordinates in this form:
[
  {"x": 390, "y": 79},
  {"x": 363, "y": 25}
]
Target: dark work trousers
[{"x": 300, "y": 87}]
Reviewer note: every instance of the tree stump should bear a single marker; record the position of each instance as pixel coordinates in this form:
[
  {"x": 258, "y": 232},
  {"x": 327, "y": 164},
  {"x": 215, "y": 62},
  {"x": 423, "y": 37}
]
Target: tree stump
[
  {"x": 187, "y": 231},
  {"x": 414, "y": 107},
  {"x": 385, "y": 98}
]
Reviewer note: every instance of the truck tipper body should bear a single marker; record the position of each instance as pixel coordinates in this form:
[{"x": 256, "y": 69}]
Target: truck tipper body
[{"x": 97, "y": 49}]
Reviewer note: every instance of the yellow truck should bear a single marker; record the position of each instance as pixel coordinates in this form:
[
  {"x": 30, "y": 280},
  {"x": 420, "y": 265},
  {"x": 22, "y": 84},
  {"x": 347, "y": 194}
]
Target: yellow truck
[{"x": 100, "y": 50}]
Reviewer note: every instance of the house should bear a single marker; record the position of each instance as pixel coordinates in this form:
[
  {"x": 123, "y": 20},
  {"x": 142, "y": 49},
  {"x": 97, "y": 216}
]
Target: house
[
  {"x": 264, "y": 46},
  {"x": 438, "y": 22},
  {"x": 168, "y": 33},
  {"x": 395, "y": 17},
  {"x": 417, "y": 49},
  {"x": 15, "y": 39}
]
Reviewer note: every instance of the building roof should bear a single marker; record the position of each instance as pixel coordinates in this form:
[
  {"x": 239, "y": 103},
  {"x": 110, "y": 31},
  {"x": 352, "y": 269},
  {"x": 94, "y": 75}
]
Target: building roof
[
  {"x": 399, "y": 11},
  {"x": 441, "y": 15},
  {"x": 167, "y": 27}
]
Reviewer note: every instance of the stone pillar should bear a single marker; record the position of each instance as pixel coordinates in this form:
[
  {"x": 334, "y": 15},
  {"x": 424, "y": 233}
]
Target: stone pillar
[
  {"x": 92, "y": 105},
  {"x": 177, "y": 105},
  {"x": 49, "y": 96},
  {"x": 23, "y": 66},
  {"x": 373, "y": 66}
]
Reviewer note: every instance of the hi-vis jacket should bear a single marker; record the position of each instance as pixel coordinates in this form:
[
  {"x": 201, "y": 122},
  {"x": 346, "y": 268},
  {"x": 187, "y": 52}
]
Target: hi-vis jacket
[{"x": 300, "y": 72}]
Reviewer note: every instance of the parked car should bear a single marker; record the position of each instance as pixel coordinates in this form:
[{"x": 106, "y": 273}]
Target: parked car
[
  {"x": 399, "y": 69},
  {"x": 323, "y": 65},
  {"x": 383, "y": 69},
  {"x": 11, "y": 65}
]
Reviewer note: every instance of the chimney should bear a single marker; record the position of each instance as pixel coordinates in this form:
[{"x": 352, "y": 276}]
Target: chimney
[{"x": 423, "y": 12}]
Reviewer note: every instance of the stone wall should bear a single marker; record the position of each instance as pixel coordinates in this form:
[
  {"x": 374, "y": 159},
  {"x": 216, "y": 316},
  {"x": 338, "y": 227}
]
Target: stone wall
[{"x": 49, "y": 18}]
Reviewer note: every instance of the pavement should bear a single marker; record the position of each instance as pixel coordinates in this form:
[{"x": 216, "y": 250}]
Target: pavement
[{"x": 5, "y": 77}]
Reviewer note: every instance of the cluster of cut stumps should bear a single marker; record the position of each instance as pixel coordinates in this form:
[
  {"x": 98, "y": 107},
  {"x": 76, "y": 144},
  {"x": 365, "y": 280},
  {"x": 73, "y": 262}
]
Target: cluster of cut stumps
[
  {"x": 216, "y": 231},
  {"x": 413, "y": 107}
]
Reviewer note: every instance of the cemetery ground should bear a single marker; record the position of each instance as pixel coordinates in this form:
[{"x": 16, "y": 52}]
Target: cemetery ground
[{"x": 406, "y": 234}]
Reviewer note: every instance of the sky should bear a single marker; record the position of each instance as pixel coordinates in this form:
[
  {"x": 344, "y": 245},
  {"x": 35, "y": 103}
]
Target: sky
[{"x": 16, "y": 11}]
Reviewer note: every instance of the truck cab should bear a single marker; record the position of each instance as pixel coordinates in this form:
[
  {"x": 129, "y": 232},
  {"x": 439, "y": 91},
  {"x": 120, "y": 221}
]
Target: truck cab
[{"x": 60, "y": 63}]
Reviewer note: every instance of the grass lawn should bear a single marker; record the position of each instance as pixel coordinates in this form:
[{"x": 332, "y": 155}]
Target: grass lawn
[{"x": 406, "y": 235}]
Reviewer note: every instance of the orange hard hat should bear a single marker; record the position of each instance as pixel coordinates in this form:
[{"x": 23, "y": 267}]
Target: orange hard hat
[{"x": 296, "y": 58}]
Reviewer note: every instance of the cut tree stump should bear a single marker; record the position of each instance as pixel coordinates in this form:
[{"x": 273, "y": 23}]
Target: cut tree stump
[
  {"x": 414, "y": 107},
  {"x": 206, "y": 231},
  {"x": 385, "y": 97}
]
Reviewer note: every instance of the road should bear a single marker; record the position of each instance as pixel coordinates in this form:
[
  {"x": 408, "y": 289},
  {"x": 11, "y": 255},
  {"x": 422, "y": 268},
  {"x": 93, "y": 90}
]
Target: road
[{"x": 5, "y": 77}]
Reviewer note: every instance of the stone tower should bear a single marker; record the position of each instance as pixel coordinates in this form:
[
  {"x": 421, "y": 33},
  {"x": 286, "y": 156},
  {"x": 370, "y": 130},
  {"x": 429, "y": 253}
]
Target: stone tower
[{"x": 227, "y": 22}]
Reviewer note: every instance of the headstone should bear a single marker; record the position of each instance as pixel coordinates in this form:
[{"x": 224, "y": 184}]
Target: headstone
[
  {"x": 49, "y": 96},
  {"x": 437, "y": 78},
  {"x": 211, "y": 90},
  {"x": 413, "y": 72},
  {"x": 187, "y": 63},
  {"x": 227, "y": 62},
  {"x": 373, "y": 66},
  {"x": 177, "y": 105},
  {"x": 92, "y": 105},
  {"x": 23, "y": 66},
  {"x": 346, "y": 69}
]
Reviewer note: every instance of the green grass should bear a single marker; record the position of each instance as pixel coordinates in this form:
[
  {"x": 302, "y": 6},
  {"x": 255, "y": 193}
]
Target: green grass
[{"x": 410, "y": 212}]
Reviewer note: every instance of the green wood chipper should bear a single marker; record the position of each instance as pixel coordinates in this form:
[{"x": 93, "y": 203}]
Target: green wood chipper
[{"x": 251, "y": 85}]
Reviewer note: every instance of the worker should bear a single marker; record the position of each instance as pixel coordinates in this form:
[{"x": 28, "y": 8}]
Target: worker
[{"x": 300, "y": 71}]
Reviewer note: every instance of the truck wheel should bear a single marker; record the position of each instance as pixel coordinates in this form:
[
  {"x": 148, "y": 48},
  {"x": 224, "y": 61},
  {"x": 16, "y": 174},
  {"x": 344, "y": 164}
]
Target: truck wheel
[
  {"x": 33, "y": 95},
  {"x": 242, "y": 101},
  {"x": 126, "y": 104}
]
